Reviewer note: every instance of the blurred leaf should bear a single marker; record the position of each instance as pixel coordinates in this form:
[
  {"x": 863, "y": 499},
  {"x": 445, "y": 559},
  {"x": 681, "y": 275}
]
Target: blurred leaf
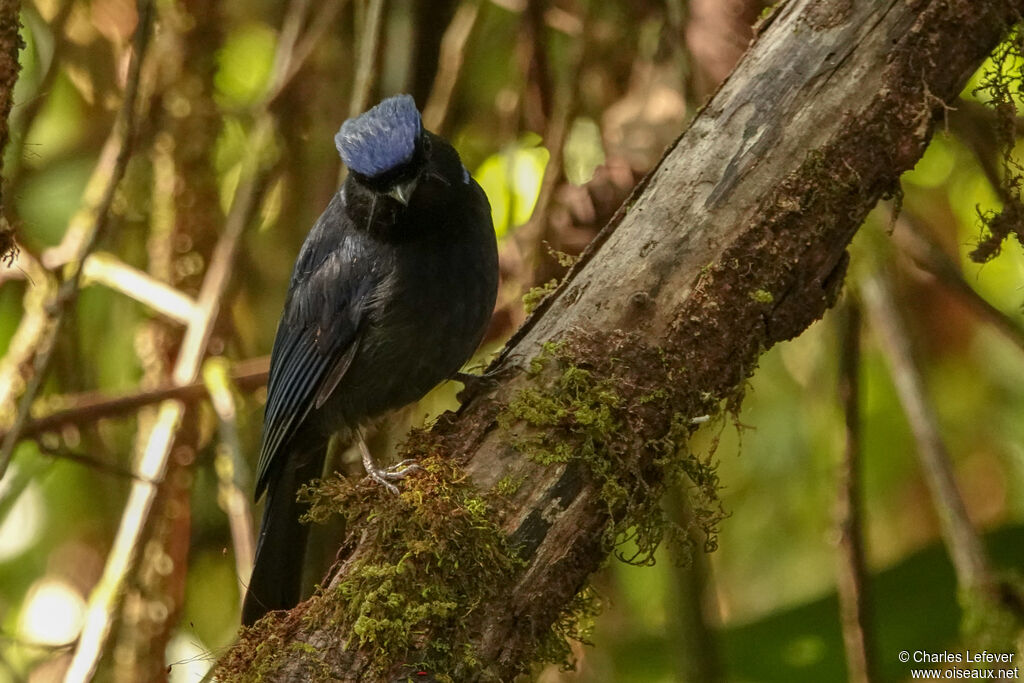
[
  {"x": 512, "y": 180},
  {"x": 245, "y": 63},
  {"x": 935, "y": 167},
  {"x": 211, "y": 598},
  {"x": 49, "y": 198},
  {"x": 915, "y": 608},
  {"x": 59, "y": 125},
  {"x": 584, "y": 151},
  {"x": 22, "y": 512}
]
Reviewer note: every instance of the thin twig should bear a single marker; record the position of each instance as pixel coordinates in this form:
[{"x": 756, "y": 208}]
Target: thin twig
[
  {"x": 90, "y": 407},
  {"x": 962, "y": 542},
  {"x": 321, "y": 23},
  {"x": 104, "y": 268},
  {"x": 228, "y": 463},
  {"x": 367, "y": 64},
  {"x": 115, "y": 154},
  {"x": 927, "y": 255},
  {"x": 851, "y": 573},
  {"x": 89, "y": 461},
  {"x": 107, "y": 269},
  {"x": 450, "y": 62},
  {"x": 530, "y": 236},
  {"x": 291, "y": 29}
]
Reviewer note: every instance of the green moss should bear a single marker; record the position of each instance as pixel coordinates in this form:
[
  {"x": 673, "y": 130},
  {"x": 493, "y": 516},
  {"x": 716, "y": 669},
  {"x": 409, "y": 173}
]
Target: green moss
[
  {"x": 762, "y": 296},
  {"x": 533, "y": 297},
  {"x": 1003, "y": 86},
  {"x": 428, "y": 560},
  {"x": 588, "y": 412},
  {"x": 509, "y": 485},
  {"x": 766, "y": 11},
  {"x": 563, "y": 259},
  {"x": 436, "y": 555},
  {"x": 576, "y": 622}
]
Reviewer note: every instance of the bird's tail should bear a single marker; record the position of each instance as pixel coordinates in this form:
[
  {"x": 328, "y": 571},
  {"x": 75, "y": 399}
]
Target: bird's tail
[{"x": 276, "y": 581}]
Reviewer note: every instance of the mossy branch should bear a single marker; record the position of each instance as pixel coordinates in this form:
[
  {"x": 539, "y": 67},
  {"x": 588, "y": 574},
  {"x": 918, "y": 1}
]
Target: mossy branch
[{"x": 736, "y": 241}]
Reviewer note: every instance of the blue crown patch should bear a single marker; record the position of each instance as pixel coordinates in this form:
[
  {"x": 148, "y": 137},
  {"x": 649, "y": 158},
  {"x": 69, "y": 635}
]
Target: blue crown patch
[{"x": 382, "y": 138}]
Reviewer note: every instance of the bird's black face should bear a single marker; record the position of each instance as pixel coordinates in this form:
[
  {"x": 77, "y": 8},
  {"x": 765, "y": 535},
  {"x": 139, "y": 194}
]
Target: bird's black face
[{"x": 421, "y": 187}]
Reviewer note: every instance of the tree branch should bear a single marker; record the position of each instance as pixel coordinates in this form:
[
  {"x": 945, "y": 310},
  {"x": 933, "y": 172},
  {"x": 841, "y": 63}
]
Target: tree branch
[
  {"x": 735, "y": 241},
  {"x": 962, "y": 541},
  {"x": 10, "y": 44},
  {"x": 909, "y": 234},
  {"x": 87, "y": 408},
  {"x": 851, "y": 573}
]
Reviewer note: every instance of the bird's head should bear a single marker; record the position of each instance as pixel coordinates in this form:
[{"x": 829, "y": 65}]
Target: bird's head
[{"x": 384, "y": 147}]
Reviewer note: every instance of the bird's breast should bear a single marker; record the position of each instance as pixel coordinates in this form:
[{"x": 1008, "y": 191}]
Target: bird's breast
[{"x": 425, "y": 322}]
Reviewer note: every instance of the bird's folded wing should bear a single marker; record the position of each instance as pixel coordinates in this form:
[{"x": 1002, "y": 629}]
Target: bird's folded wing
[{"x": 331, "y": 289}]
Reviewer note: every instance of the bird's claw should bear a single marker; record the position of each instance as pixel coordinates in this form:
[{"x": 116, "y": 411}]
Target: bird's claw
[{"x": 384, "y": 477}]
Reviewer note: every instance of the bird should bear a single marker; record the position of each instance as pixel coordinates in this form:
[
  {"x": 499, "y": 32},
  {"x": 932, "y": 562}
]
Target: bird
[{"x": 391, "y": 294}]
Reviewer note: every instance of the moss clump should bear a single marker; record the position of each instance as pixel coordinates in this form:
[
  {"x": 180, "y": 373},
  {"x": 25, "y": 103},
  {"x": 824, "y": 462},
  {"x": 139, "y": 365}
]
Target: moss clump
[
  {"x": 762, "y": 296},
  {"x": 508, "y": 485},
  {"x": 563, "y": 259},
  {"x": 1004, "y": 89},
  {"x": 266, "y": 651},
  {"x": 436, "y": 554},
  {"x": 576, "y": 622},
  {"x": 593, "y": 410},
  {"x": 533, "y": 297}
]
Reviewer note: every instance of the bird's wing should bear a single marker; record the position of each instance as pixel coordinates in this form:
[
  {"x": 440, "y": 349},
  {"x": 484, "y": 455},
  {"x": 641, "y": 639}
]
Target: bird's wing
[{"x": 332, "y": 285}]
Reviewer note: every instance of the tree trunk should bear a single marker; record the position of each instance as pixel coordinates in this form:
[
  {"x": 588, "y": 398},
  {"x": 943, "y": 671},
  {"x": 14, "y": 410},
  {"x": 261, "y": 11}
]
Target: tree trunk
[{"x": 734, "y": 242}]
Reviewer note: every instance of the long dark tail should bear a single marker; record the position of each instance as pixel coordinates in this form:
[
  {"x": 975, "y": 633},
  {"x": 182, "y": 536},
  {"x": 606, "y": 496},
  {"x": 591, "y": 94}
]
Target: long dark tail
[{"x": 276, "y": 581}]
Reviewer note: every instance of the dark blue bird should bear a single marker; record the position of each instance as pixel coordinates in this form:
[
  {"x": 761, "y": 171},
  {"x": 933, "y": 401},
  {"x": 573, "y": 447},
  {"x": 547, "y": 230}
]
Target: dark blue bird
[{"x": 390, "y": 295}]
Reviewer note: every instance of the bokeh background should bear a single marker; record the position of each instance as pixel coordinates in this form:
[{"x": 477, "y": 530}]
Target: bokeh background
[{"x": 558, "y": 107}]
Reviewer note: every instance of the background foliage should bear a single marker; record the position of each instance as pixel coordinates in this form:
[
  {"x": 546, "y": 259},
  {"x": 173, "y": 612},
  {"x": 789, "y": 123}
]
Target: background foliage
[{"x": 557, "y": 108}]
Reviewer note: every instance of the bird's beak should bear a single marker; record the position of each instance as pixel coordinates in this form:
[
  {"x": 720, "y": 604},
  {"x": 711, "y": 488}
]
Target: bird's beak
[{"x": 402, "y": 192}]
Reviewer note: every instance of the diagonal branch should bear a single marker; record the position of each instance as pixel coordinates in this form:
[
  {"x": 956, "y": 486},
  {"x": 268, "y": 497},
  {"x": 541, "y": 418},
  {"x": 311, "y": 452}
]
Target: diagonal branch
[
  {"x": 87, "y": 408},
  {"x": 734, "y": 242},
  {"x": 962, "y": 541},
  {"x": 926, "y": 254}
]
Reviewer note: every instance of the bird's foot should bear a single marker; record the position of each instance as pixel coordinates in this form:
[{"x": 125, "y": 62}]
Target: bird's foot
[{"x": 385, "y": 475}]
